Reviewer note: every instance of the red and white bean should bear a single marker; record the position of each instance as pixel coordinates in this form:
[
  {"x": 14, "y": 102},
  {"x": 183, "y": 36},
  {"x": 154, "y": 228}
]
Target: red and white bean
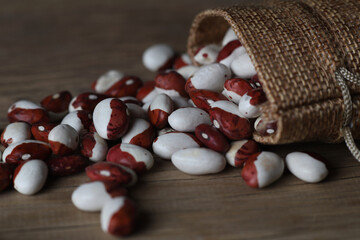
[
  {"x": 60, "y": 166},
  {"x": 63, "y": 139},
  {"x": 309, "y": 167},
  {"x": 41, "y": 131},
  {"x": 79, "y": 120},
  {"x": 240, "y": 151},
  {"x": 170, "y": 83},
  {"x": 140, "y": 133},
  {"x": 198, "y": 161},
  {"x": 210, "y": 77},
  {"x": 86, "y": 101},
  {"x": 187, "y": 71},
  {"x": 158, "y": 57},
  {"x": 147, "y": 92},
  {"x": 211, "y": 138},
  {"x": 132, "y": 156},
  {"x": 229, "y": 36},
  {"x": 126, "y": 86},
  {"x": 15, "y": 132},
  {"x": 30, "y": 176},
  {"x": 166, "y": 145},
  {"x": 262, "y": 168},
  {"x": 265, "y": 128},
  {"x": 226, "y": 117},
  {"x": 57, "y": 104},
  {"x": 229, "y": 52},
  {"x": 92, "y": 196},
  {"x": 204, "y": 98},
  {"x": 105, "y": 81},
  {"x": 242, "y": 66},
  {"x": 235, "y": 88},
  {"x": 118, "y": 216},
  {"x": 27, "y": 111},
  {"x": 111, "y": 118},
  {"x": 249, "y": 104},
  {"x": 182, "y": 61},
  {"x": 187, "y": 119},
  {"x": 207, "y": 54},
  {"x": 93, "y": 147},
  {"x": 159, "y": 110},
  {"x": 109, "y": 171},
  {"x": 26, "y": 150}
]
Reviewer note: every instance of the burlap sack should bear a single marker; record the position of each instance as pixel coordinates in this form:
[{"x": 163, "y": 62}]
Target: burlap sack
[{"x": 296, "y": 48}]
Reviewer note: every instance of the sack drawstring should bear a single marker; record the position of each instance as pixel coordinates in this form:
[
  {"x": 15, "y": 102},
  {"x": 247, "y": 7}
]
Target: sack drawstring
[{"x": 343, "y": 75}]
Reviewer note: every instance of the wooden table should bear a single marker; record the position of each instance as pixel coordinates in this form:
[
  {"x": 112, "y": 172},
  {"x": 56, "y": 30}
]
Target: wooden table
[{"x": 47, "y": 46}]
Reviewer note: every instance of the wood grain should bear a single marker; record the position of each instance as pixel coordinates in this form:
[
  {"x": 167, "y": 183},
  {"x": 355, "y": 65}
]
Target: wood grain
[{"x": 47, "y": 46}]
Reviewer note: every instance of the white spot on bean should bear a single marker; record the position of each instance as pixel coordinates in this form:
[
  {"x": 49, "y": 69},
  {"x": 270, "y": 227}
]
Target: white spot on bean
[
  {"x": 216, "y": 124},
  {"x": 105, "y": 173},
  {"x": 56, "y": 96},
  {"x": 204, "y": 136},
  {"x": 41, "y": 128},
  {"x": 129, "y": 82},
  {"x": 26, "y": 156},
  {"x": 270, "y": 131},
  {"x": 92, "y": 97}
]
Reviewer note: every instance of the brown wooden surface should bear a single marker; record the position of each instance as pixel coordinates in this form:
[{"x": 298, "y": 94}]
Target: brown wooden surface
[{"x": 47, "y": 46}]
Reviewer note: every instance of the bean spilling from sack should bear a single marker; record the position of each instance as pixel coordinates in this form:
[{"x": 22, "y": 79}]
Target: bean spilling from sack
[{"x": 201, "y": 117}]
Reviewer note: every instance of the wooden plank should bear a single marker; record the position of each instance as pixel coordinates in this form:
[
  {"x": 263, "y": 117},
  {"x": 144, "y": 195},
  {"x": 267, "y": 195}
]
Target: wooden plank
[{"x": 47, "y": 46}]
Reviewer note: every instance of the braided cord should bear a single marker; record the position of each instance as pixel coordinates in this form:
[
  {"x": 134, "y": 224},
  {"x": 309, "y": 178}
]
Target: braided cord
[{"x": 341, "y": 76}]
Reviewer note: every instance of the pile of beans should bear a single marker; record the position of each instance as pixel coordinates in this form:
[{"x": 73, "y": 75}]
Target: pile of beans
[{"x": 200, "y": 118}]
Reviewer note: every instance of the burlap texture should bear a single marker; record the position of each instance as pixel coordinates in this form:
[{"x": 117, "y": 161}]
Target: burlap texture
[{"x": 296, "y": 47}]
